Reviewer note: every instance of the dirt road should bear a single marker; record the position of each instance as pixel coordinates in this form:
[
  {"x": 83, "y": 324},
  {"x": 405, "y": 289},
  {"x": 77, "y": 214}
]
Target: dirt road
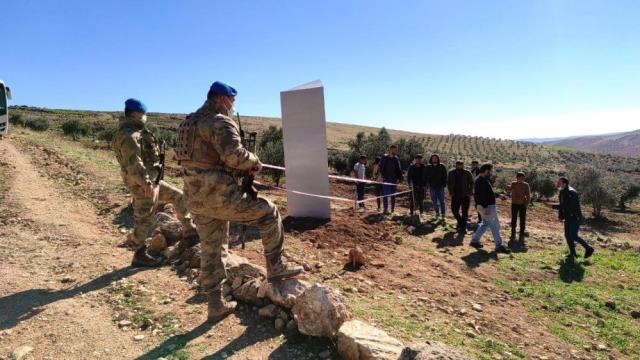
[{"x": 58, "y": 266}]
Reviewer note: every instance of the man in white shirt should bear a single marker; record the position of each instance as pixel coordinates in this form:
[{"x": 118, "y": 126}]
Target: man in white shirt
[{"x": 359, "y": 171}]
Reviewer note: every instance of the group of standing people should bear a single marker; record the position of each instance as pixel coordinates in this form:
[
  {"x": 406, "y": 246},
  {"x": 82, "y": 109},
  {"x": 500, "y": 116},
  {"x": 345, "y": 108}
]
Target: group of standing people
[{"x": 463, "y": 185}]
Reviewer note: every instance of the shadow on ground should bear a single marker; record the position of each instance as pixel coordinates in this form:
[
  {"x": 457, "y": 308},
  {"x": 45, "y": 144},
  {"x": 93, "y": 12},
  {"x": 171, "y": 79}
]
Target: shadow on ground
[
  {"x": 257, "y": 330},
  {"x": 449, "y": 239},
  {"x": 477, "y": 258},
  {"x": 302, "y": 224},
  {"x": 571, "y": 271},
  {"x": 26, "y": 304}
]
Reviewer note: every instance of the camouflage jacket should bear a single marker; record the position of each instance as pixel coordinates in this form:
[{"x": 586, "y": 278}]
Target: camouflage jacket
[
  {"x": 137, "y": 152},
  {"x": 216, "y": 142}
]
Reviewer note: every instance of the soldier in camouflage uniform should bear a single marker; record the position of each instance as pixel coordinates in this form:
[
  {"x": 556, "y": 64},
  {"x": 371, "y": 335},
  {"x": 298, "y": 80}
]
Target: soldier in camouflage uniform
[
  {"x": 213, "y": 157},
  {"x": 137, "y": 151}
]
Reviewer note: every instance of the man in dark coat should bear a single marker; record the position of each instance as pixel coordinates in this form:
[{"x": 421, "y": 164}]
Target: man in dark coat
[
  {"x": 391, "y": 173},
  {"x": 570, "y": 212},
  {"x": 437, "y": 179},
  {"x": 417, "y": 178},
  {"x": 460, "y": 186}
]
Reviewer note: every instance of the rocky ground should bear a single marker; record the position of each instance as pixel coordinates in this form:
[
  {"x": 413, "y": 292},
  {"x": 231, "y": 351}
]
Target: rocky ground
[{"x": 67, "y": 290}]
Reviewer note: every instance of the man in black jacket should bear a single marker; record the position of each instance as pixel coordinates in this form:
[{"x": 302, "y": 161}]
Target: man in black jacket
[
  {"x": 416, "y": 176},
  {"x": 570, "y": 212},
  {"x": 391, "y": 173},
  {"x": 437, "y": 179},
  {"x": 486, "y": 204},
  {"x": 460, "y": 186}
]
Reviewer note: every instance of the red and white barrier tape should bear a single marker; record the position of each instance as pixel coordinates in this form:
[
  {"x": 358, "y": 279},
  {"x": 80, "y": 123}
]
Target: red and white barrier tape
[
  {"x": 337, "y": 177},
  {"x": 331, "y": 197}
]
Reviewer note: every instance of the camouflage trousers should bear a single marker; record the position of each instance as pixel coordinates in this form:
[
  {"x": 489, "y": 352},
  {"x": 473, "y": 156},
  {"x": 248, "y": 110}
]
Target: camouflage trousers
[
  {"x": 144, "y": 208},
  {"x": 215, "y": 199}
]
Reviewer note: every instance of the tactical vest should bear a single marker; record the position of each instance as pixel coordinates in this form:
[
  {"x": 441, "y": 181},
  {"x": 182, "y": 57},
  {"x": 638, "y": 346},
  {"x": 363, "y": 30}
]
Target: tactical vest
[{"x": 193, "y": 150}]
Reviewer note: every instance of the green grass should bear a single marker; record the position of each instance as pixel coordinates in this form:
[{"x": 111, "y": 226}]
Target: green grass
[
  {"x": 144, "y": 317},
  {"x": 389, "y": 315},
  {"x": 571, "y": 297}
]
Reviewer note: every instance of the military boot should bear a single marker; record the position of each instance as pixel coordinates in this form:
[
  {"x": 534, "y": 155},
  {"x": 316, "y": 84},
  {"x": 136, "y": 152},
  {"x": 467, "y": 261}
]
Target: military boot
[
  {"x": 278, "y": 268},
  {"x": 218, "y": 308}
]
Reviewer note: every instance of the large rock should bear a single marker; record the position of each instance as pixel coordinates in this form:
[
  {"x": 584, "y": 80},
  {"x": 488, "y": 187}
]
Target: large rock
[
  {"x": 166, "y": 223},
  {"x": 248, "y": 292},
  {"x": 320, "y": 311},
  {"x": 240, "y": 268},
  {"x": 283, "y": 292},
  {"x": 432, "y": 350},
  {"x": 360, "y": 341}
]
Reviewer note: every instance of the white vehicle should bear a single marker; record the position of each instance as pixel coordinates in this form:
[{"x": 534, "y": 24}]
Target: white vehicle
[{"x": 5, "y": 93}]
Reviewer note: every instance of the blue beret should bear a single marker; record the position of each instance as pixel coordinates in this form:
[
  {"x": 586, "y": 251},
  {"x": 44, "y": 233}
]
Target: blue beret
[
  {"x": 220, "y": 88},
  {"x": 135, "y": 105}
]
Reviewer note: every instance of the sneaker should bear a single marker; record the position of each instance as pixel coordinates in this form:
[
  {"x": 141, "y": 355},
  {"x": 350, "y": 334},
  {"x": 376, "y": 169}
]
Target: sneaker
[
  {"x": 588, "y": 252},
  {"x": 476, "y": 244},
  {"x": 503, "y": 250}
]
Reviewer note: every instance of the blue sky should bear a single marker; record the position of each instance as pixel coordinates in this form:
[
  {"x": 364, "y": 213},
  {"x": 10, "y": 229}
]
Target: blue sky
[{"x": 508, "y": 69}]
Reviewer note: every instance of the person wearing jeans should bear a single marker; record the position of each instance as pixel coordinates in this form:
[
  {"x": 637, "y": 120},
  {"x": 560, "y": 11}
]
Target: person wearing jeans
[
  {"x": 391, "y": 173},
  {"x": 437, "y": 179},
  {"x": 486, "y": 204},
  {"x": 570, "y": 212}
]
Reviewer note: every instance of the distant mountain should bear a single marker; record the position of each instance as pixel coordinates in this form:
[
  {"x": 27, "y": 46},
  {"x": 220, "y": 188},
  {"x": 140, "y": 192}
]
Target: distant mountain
[
  {"x": 541, "y": 140},
  {"x": 625, "y": 144}
]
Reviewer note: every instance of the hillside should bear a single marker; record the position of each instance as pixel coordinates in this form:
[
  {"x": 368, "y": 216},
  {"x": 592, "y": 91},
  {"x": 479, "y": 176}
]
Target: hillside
[
  {"x": 506, "y": 154},
  {"x": 625, "y": 144},
  {"x": 63, "y": 210}
]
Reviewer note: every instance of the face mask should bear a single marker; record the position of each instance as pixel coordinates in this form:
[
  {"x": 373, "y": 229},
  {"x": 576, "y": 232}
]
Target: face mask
[
  {"x": 232, "y": 111},
  {"x": 144, "y": 118}
]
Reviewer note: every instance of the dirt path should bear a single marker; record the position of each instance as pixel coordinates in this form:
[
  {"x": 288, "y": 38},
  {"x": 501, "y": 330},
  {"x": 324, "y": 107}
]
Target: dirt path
[{"x": 58, "y": 264}]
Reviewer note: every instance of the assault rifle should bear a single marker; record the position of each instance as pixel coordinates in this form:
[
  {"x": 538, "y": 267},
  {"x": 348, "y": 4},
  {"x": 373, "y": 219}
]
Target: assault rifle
[
  {"x": 249, "y": 143},
  {"x": 161, "y": 157}
]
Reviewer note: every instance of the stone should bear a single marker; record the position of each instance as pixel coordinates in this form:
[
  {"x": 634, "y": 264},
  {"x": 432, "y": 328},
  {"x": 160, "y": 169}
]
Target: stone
[
  {"x": 432, "y": 350},
  {"x": 279, "y": 324},
  {"x": 67, "y": 279},
  {"x": 157, "y": 244},
  {"x": 320, "y": 311},
  {"x": 124, "y": 323},
  {"x": 635, "y": 314},
  {"x": 248, "y": 292},
  {"x": 239, "y": 267},
  {"x": 283, "y": 292},
  {"x": 356, "y": 257},
  {"x": 237, "y": 282},
  {"x": 611, "y": 304},
  {"x": 477, "y": 307},
  {"x": 269, "y": 311},
  {"x": 166, "y": 223},
  {"x": 292, "y": 326},
  {"x": 20, "y": 352},
  {"x": 138, "y": 337},
  {"x": 360, "y": 341}
]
